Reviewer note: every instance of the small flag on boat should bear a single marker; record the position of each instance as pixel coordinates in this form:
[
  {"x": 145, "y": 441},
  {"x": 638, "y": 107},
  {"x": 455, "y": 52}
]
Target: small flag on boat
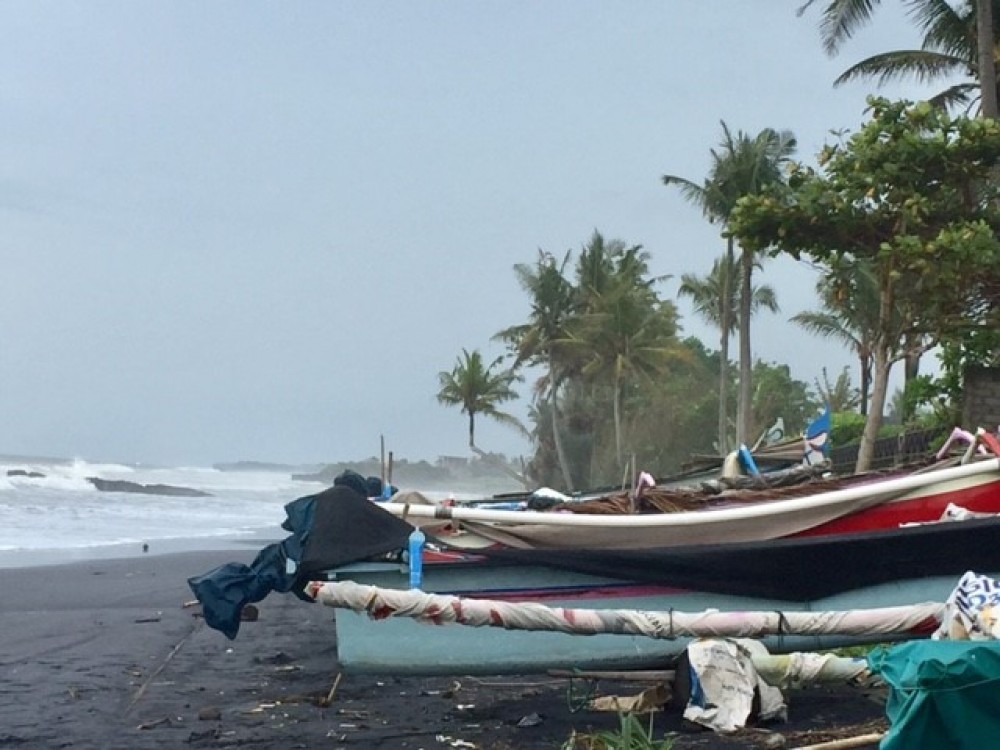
[{"x": 817, "y": 439}]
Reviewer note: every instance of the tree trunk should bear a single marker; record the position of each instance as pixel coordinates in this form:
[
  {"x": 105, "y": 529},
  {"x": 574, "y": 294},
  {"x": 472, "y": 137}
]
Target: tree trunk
[
  {"x": 743, "y": 422},
  {"x": 986, "y": 59},
  {"x": 472, "y": 430},
  {"x": 880, "y": 388},
  {"x": 725, "y": 324},
  {"x": 866, "y": 382},
  {"x": 723, "y": 395},
  {"x": 616, "y": 406},
  {"x": 881, "y": 349},
  {"x": 557, "y": 438}
]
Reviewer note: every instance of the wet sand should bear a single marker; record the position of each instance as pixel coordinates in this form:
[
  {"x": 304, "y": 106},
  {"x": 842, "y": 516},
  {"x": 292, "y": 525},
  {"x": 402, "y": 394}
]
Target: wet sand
[{"x": 104, "y": 654}]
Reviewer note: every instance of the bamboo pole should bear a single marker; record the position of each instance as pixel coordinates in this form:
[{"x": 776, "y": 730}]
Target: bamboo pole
[
  {"x": 441, "y": 609},
  {"x": 381, "y": 439}
]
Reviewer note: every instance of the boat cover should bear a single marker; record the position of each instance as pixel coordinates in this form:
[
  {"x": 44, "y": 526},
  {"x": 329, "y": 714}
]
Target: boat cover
[
  {"x": 796, "y": 569},
  {"x": 942, "y": 694},
  {"x": 335, "y": 527}
]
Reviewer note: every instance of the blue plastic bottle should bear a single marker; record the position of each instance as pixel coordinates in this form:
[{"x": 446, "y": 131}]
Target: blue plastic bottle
[{"x": 417, "y": 540}]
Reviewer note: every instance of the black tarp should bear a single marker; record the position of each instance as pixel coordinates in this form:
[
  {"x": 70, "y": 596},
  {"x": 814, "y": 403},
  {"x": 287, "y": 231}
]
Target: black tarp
[
  {"x": 335, "y": 527},
  {"x": 797, "y": 569}
]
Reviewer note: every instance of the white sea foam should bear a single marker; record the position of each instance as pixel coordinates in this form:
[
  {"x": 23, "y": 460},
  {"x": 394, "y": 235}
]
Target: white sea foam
[
  {"x": 61, "y": 516},
  {"x": 62, "y": 510}
]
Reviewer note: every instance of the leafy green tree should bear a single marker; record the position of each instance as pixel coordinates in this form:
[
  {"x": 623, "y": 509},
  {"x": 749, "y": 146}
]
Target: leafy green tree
[
  {"x": 959, "y": 40},
  {"x": 478, "y": 388},
  {"x": 778, "y": 394},
  {"x": 743, "y": 165},
  {"x": 537, "y": 342},
  {"x": 911, "y": 194},
  {"x": 716, "y": 300}
]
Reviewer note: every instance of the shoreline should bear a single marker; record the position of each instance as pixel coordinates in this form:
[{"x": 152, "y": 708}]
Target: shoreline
[
  {"x": 104, "y": 654},
  {"x": 233, "y": 543}
]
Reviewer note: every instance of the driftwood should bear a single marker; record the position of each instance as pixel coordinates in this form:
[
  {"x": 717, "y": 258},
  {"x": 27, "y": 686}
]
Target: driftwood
[
  {"x": 633, "y": 676},
  {"x": 863, "y": 740},
  {"x": 333, "y": 691}
]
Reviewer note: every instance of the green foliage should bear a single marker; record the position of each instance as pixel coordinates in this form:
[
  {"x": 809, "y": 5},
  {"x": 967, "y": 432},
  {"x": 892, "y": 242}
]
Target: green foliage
[
  {"x": 631, "y": 735},
  {"x": 846, "y": 428},
  {"x": 777, "y": 394},
  {"x": 604, "y": 339},
  {"x": 912, "y": 194},
  {"x": 972, "y": 347}
]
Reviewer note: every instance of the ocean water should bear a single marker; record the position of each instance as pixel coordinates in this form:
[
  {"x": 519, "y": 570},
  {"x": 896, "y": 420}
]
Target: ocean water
[{"x": 61, "y": 517}]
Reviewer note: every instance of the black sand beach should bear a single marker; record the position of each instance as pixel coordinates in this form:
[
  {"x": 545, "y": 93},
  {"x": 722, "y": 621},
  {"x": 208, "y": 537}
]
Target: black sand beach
[{"x": 103, "y": 654}]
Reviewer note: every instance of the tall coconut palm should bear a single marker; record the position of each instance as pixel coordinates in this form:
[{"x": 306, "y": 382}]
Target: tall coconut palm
[
  {"x": 622, "y": 339},
  {"x": 478, "y": 388},
  {"x": 622, "y": 330},
  {"x": 743, "y": 165},
  {"x": 536, "y": 342},
  {"x": 959, "y": 42},
  {"x": 716, "y": 300}
]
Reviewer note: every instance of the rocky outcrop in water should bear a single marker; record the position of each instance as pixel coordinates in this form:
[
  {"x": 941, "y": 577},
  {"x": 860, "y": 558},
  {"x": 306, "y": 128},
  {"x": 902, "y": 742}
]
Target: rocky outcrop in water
[
  {"x": 118, "y": 485},
  {"x": 25, "y": 473}
]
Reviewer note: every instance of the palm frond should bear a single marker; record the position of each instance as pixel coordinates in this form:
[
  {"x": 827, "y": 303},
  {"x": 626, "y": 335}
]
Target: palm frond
[
  {"x": 887, "y": 67},
  {"x": 960, "y": 95},
  {"x": 947, "y": 29},
  {"x": 841, "y": 18}
]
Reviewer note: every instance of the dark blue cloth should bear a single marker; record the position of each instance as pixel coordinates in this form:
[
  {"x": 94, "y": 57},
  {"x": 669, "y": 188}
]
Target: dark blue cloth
[
  {"x": 224, "y": 592},
  {"x": 332, "y": 528}
]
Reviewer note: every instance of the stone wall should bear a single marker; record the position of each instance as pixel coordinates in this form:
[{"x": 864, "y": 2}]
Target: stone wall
[{"x": 982, "y": 398}]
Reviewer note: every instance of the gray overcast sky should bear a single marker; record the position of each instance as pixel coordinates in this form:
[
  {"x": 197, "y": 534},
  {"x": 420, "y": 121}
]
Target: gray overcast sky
[{"x": 251, "y": 230}]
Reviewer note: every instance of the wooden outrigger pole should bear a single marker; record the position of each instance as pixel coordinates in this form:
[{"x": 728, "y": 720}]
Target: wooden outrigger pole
[{"x": 437, "y": 609}]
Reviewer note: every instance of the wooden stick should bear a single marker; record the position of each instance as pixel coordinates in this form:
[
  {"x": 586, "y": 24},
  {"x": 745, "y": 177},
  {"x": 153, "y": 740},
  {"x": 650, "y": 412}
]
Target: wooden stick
[
  {"x": 329, "y": 696},
  {"x": 859, "y": 741},
  {"x": 156, "y": 672},
  {"x": 381, "y": 439},
  {"x": 637, "y": 676}
]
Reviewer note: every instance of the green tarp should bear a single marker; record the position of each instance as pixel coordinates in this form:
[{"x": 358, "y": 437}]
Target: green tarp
[{"x": 943, "y": 694}]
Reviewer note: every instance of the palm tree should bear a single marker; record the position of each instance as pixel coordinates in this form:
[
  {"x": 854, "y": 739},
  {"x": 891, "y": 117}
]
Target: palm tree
[
  {"x": 479, "y": 389},
  {"x": 850, "y": 315},
  {"x": 839, "y": 395},
  {"x": 958, "y": 41},
  {"x": 744, "y": 165},
  {"x": 622, "y": 330},
  {"x": 537, "y": 341},
  {"x": 716, "y": 300}
]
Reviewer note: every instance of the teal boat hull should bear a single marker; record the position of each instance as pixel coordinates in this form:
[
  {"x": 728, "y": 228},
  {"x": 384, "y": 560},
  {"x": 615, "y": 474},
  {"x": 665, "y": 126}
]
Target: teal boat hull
[{"x": 402, "y": 646}]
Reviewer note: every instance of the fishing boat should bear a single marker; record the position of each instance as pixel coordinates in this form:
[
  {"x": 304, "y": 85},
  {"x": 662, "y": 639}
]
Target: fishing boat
[
  {"x": 879, "y": 500},
  {"x": 888, "y": 568},
  {"x": 841, "y": 548}
]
